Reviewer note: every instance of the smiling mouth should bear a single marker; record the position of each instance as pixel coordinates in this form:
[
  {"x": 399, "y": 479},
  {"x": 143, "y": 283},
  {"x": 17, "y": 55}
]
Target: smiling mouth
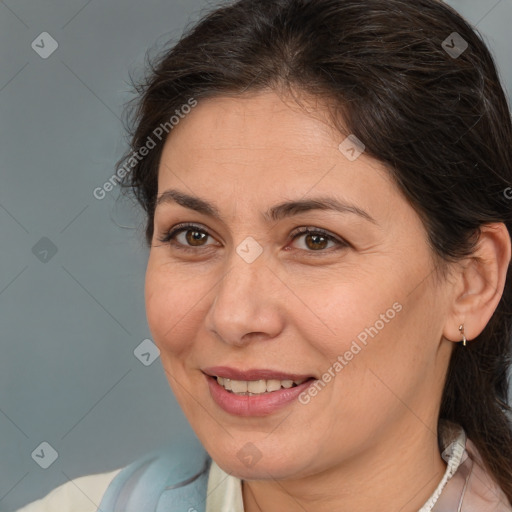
[{"x": 257, "y": 387}]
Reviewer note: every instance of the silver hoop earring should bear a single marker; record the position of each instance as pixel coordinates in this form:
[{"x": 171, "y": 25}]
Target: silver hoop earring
[{"x": 461, "y": 330}]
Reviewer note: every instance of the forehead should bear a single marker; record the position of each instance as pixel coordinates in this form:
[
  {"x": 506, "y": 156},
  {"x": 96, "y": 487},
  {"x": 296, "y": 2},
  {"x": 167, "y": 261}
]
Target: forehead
[
  {"x": 254, "y": 121},
  {"x": 260, "y": 133}
]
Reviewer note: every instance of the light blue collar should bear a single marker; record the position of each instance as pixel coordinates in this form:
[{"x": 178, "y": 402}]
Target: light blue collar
[{"x": 171, "y": 479}]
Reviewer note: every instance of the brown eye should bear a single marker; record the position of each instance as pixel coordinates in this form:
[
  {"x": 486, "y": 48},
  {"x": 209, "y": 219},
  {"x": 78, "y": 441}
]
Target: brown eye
[
  {"x": 195, "y": 238},
  {"x": 316, "y": 240},
  {"x": 186, "y": 237}
]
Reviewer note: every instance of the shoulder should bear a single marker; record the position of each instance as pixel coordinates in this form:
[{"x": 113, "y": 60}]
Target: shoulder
[
  {"x": 168, "y": 478},
  {"x": 77, "y": 495}
]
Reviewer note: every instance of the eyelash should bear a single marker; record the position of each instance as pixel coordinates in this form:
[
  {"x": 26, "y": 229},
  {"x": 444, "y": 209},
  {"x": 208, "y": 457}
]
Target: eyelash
[{"x": 168, "y": 237}]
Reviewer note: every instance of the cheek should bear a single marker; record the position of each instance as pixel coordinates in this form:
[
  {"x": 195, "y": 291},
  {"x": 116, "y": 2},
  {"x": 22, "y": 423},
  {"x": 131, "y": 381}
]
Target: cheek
[
  {"x": 366, "y": 328},
  {"x": 359, "y": 308},
  {"x": 386, "y": 364},
  {"x": 174, "y": 302}
]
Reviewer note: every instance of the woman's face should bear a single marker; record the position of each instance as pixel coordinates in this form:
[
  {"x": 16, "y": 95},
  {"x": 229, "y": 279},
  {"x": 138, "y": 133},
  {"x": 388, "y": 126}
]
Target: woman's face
[{"x": 355, "y": 307}]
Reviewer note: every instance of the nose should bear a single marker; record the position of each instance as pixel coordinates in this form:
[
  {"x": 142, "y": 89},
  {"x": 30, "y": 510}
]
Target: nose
[{"x": 247, "y": 304}]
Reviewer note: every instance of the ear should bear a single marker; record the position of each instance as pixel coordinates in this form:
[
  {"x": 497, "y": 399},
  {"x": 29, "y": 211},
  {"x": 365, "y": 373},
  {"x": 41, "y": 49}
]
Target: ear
[{"x": 479, "y": 283}]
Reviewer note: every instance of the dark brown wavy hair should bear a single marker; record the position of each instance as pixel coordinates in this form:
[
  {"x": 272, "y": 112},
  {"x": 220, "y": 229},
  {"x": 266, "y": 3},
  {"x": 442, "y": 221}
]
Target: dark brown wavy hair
[{"x": 440, "y": 123}]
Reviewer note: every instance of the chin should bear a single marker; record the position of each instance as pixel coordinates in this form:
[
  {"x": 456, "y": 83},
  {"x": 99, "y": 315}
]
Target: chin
[{"x": 247, "y": 464}]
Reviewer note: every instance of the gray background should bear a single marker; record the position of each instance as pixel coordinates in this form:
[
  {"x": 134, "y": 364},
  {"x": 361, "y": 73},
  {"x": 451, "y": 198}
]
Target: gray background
[{"x": 72, "y": 320}]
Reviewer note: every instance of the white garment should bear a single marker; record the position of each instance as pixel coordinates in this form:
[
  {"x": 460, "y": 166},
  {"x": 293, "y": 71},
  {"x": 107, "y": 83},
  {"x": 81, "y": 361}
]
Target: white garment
[{"x": 82, "y": 494}]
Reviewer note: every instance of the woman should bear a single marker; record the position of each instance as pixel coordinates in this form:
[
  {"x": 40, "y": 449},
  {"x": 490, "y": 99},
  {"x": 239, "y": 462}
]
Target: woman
[{"x": 327, "y": 190}]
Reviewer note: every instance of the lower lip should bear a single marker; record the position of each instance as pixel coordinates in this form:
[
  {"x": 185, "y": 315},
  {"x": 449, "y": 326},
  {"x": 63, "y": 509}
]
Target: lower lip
[{"x": 256, "y": 405}]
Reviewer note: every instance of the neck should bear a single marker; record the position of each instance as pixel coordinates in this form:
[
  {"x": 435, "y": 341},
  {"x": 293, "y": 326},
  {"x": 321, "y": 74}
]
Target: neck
[{"x": 398, "y": 475}]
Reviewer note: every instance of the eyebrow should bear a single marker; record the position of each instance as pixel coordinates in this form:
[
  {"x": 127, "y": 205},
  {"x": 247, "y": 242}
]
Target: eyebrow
[{"x": 275, "y": 213}]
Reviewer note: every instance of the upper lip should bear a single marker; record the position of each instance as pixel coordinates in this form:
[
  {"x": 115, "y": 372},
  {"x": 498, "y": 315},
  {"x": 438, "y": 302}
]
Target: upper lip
[{"x": 252, "y": 374}]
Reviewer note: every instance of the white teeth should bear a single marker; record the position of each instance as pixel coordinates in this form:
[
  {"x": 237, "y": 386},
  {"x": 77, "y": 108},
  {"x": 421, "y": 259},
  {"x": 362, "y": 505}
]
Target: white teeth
[
  {"x": 239, "y": 386},
  {"x": 273, "y": 385},
  {"x": 256, "y": 387}
]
